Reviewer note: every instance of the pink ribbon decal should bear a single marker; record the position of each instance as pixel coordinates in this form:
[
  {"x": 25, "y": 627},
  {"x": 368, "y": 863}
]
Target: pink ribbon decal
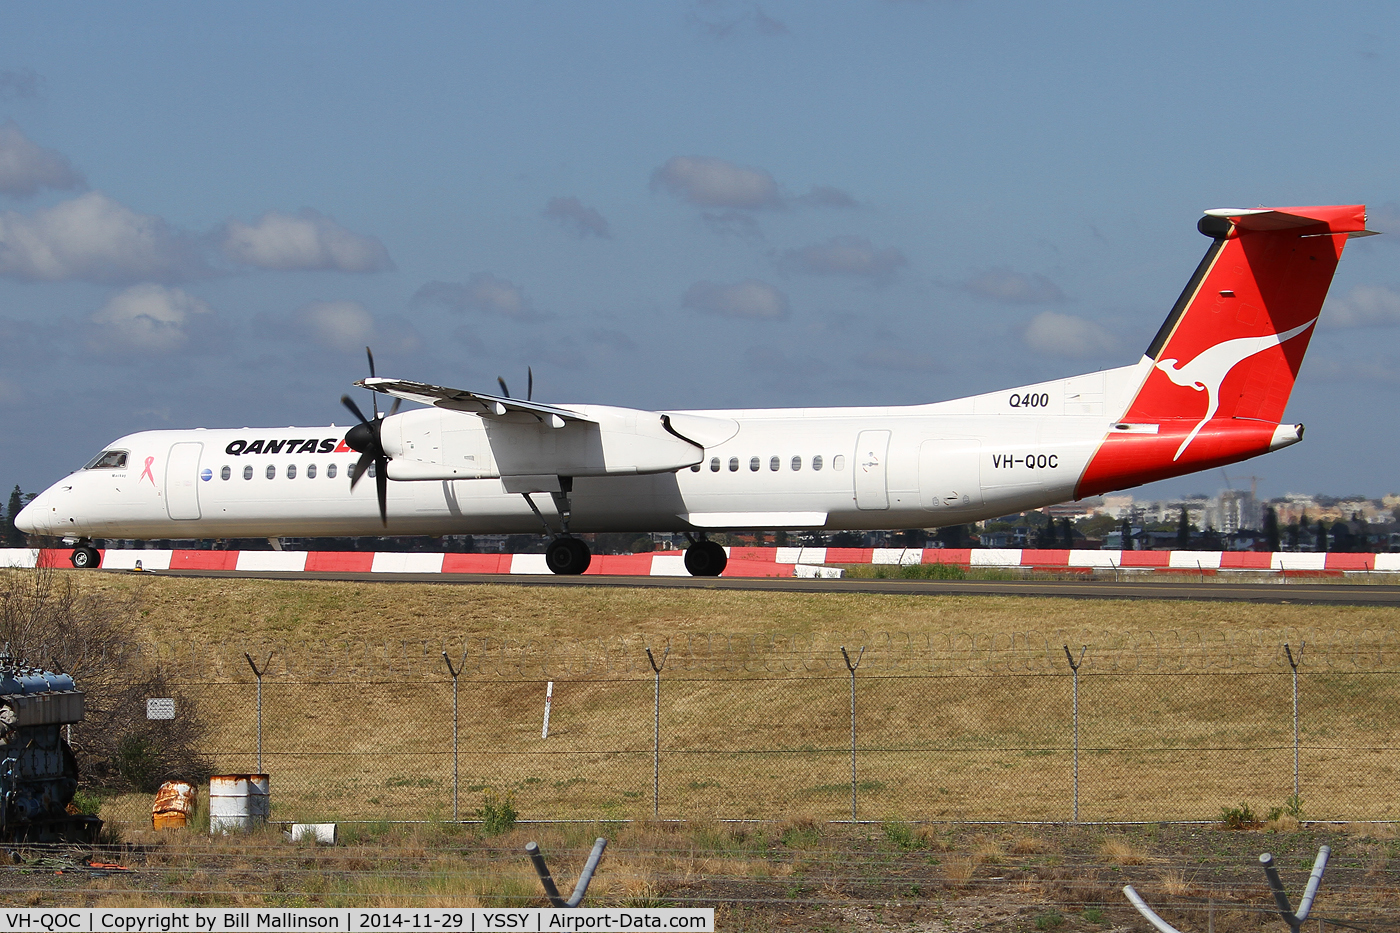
[{"x": 146, "y": 473}]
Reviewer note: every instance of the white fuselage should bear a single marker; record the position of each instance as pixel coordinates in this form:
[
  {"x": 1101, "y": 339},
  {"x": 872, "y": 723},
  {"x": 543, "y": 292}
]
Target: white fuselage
[{"x": 830, "y": 468}]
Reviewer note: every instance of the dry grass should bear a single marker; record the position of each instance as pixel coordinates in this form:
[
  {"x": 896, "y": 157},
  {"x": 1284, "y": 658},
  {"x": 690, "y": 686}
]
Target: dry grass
[
  {"x": 774, "y": 745},
  {"x": 1120, "y": 850},
  {"x": 959, "y": 870},
  {"x": 856, "y": 879},
  {"x": 1028, "y": 845},
  {"x": 1175, "y": 884},
  {"x": 211, "y": 611}
]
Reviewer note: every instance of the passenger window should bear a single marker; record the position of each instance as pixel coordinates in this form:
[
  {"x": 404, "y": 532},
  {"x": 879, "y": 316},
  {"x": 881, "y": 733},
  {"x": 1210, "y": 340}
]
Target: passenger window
[
  {"x": 775, "y": 464},
  {"x": 372, "y": 470},
  {"x": 248, "y": 471},
  {"x": 695, "y": 468},
  {"x": 753, "y": 464},
  {"x": 311, "y": 471},
  {"x": 733, "y": 464},
  {"x": 838, "y": 462},
  {"x": 796, "y": 464},
  {"x": 108, "y": 460},
  {"x": 291, "y": 471},
  {"x": 225, "y": 473},
  {"x": 271, "y": 471},
  {"x": 817, "y": 462},
  {"x": 330, "y": 471},
  {"x": 714, "y": 464}
]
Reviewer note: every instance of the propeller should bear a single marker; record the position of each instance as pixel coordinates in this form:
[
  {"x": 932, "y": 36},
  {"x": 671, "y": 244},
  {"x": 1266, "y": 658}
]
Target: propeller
[
  {"x": 365, "y": 438},
  {"x": 529, "y": 384}
]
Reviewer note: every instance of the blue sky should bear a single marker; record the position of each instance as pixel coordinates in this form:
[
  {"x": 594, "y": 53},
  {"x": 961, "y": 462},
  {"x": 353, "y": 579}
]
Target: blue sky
[{"x": 207, "y": 210}]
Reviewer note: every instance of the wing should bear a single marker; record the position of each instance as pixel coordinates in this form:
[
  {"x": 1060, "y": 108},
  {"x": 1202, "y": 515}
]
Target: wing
[{"x": 475, "y": 403}]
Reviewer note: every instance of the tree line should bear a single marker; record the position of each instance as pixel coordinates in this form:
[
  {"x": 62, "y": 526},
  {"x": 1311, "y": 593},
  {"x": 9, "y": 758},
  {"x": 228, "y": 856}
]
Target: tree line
[{"x": 12, "y": 536}]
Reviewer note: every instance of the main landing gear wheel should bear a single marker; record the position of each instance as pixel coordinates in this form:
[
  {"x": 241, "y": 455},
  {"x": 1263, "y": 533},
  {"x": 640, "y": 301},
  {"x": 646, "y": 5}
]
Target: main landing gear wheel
[
  {"x": 568, "y": 556},
  {"x": 705, "y": 559},
  {"x": 85, "y": 558}
]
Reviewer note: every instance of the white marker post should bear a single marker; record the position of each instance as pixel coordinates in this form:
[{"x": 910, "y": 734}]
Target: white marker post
[{"x": 548, "y": 696}]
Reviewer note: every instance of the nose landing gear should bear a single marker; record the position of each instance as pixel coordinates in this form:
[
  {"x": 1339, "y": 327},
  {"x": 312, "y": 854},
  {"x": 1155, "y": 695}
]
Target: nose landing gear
[{"x": 85, "y": 557}]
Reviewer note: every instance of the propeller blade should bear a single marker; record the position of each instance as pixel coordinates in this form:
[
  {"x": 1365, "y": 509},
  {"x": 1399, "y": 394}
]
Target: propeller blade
[
  {"x": 374, "y": 396},
  {"x": 504, "y": 391},
  {"x": 381, "y": 488},
  {"x": 529, "y": 384},
  {"x": 394, "y": 408},
  {"x": 361, "y": 466},
  {"x": 354, "y": 409}
]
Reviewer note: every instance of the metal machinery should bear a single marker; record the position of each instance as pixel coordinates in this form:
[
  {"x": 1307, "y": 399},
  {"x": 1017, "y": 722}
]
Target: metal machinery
[{"x": 38, "y": 773}]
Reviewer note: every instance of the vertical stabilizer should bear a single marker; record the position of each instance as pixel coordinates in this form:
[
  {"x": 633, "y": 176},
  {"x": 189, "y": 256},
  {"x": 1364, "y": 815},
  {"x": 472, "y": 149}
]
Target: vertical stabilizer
[{"x": 1224, "y": 362}]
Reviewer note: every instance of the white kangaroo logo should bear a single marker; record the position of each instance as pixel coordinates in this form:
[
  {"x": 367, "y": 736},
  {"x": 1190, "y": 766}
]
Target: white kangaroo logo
[{"x": 1210, "y": 367}]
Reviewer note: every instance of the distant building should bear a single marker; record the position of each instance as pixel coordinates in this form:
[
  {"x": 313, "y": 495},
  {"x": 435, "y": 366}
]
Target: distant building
[{"x": 1234, "y": 510}]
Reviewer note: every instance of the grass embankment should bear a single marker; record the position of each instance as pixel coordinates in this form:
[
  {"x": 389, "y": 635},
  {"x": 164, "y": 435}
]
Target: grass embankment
[{"x": 964, "y": 704}]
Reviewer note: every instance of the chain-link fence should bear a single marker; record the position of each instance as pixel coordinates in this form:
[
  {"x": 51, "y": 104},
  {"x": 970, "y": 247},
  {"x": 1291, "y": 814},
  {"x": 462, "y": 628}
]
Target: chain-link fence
[{"x": 1019, "y": 726}]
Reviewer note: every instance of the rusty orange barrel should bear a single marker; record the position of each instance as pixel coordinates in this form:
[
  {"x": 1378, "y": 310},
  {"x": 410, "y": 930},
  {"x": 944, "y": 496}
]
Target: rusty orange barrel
[{"x": 174, "y": 804}]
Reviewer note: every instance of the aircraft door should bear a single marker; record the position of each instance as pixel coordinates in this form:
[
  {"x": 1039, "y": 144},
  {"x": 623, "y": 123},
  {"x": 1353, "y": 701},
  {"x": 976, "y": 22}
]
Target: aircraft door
[
  {"x": 872, "y": 449},
  {"x": 950, "y": 474},
  {"x": 182, "y": 480}
]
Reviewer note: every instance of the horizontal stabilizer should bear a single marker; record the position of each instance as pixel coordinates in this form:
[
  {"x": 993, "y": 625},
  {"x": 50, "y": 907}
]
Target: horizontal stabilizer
[{"x": 1348, "y": 218}]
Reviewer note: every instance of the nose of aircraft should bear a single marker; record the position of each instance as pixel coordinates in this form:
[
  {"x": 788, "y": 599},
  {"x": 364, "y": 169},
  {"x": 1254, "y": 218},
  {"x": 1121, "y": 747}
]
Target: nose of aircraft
[{"x": 31, "y": 518}]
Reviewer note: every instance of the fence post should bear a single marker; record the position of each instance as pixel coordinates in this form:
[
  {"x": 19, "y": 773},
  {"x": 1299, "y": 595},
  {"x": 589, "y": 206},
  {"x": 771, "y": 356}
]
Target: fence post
[
  {"x": 1293, "y": 663},
  {"x": 852, "y": 668},
  {"x": 1074, "y": 672},
  {"x": 454, "y": 672},
  {"x": 259, "y": 675},
  {"x": 656, "y": 733}
]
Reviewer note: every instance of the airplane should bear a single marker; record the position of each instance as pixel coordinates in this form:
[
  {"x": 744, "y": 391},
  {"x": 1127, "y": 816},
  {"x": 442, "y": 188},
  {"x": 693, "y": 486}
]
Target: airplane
[{"x": 1210, "y": 390}]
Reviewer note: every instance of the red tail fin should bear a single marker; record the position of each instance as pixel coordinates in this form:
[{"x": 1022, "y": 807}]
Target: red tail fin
[{"x": 1224, "y": 362}]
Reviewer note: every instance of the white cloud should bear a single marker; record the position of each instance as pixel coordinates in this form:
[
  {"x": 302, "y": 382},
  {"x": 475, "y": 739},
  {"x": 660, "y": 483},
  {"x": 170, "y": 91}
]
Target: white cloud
[
  {"x": 1350, "y": 368},
  {"x": 733, "y": 223},
  {"x": 843, "y": 255},
  {"x": 483, "y": 293},
  {"x": 1004, "y": 284},
  {"x": 25, "y": 166},
  {"x": 579, "y": 220},
  {"x": 1364, "y": 306},
  {"x": 93, "y": 238},
  {"x": 1057, "y": 334},
  {"x": 710, "y": 182},
  {"x": 826, "y": 196},
  {"x": 340, "y": 325},
  {"x": 147, "y": 317},
  {"x": 750, "y": 299},
  {"x": 307, "y": 240},
  {"x": 719, "y": 20}
]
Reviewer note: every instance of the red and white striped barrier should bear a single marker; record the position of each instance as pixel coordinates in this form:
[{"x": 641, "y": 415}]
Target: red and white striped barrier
[
  {"x": 1075, "y": 560},
  {"x": 743, "y": 561}
]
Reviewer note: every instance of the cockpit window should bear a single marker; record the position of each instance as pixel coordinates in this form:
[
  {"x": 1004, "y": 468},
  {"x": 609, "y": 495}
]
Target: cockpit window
[{"x": 108, "y": 460}]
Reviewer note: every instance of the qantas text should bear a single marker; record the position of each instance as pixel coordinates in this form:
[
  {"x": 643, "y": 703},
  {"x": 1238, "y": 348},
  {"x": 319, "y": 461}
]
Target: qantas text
[{"x": 295, "y": 446}]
